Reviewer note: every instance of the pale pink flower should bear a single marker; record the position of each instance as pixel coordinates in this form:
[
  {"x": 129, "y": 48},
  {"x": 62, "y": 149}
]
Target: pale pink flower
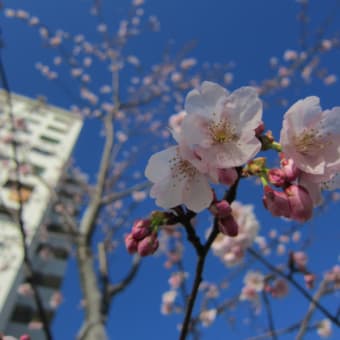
[
  {"x": 255, "y": 280},
  {"x": 138, "y": 196},
  {"x": 188, "y": 63},
  {"x": 326, "y": 44},
  {"x": 207, "y": 317},
  {"x": 231, "y": 250},
  {"x": 168, "y": 300},
  {"x": 249, "y": 294},
  {"x": 290, "y": 55},
  {"x": 324, "y": 328},
  {"x": 177, "y": 179},
  {"x": 330, "y": 79},
  {"x": 221, "y": 126},
  {"x": 176, "y": 279},
  {"x": 311, "y": 138}
]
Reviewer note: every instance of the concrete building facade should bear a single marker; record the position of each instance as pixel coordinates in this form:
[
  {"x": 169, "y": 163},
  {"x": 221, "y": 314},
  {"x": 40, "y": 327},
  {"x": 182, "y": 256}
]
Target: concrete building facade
[{"x": 44, "y": 137}]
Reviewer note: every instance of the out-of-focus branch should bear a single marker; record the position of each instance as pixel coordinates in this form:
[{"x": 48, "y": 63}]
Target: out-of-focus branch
[
  {"x": 93, "y": 328},
  {"x": 281, "y": 331},
  {"x": 119, "y": 195},
  {"x": 269, "y": 315},
  {"x": 291, "y": 279},
  {"x": 305, "y": 322},
  {"x": 114, "y": 289}
]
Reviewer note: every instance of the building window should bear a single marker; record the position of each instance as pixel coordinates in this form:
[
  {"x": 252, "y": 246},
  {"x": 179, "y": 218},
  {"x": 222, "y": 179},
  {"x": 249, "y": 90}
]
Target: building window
[
  {"x": 63, "y": 119},
  {"x": 37, "y": 170},
  {"x": 56, "y": 129},
  {"x": 49, "y": 140},
  {"x": 42, "y": 151},
  {"x": 56, "y": 228},
  {"x": 18, "y": 192}
]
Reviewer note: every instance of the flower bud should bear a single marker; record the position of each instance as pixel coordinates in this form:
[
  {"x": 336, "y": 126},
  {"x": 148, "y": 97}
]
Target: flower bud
[
  {"x": 279, "y": 288},
  {"x": 300, "y": 202},
  {"x": 300, "y": 260},
  {"x": 259, "y": 130},
  {"x": 309, "y": 280},
  {"x": 131, "y": 243},
  {"x": 25, "y": 337},
  {"x": 289, "y": 169},
  {"x": 277, "y": 177},
  {"x": 148, "y": 245},
  {"x": 276, "y": 202},
  {"x": 141, "y": 228},
  {"x": 228, "y": 226},
  {"x": 221, "y": 209}
]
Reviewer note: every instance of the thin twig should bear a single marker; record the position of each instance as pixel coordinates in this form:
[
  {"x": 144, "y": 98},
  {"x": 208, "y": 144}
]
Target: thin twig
[
  {"x": 269, "y": 315},
  {"x": 317, "y": 296},
  {"x": 290, "y": 278},
  {"x": 202, "y": 251}
]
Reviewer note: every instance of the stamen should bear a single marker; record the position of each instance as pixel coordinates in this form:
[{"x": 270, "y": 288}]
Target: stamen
[{"x": 222, "y": 132}]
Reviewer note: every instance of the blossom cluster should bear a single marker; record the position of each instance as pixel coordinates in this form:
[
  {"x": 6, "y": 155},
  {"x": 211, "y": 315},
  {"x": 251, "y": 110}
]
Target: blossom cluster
[
  {"x": 220, "y": 133},
  {"x": 142, "y": 239},
  {"x": 216, "y": 135},
  {"x": 310, "y": 161}
]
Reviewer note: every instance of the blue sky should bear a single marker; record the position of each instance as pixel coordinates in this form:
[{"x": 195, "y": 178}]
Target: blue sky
[{"x": 245, "y": 32}]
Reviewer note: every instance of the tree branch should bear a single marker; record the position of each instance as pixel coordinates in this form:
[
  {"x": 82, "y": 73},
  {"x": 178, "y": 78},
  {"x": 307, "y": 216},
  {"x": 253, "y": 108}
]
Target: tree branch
[
  {"x": 302, "y": 290},
  {"x": 202, "y": 252}
]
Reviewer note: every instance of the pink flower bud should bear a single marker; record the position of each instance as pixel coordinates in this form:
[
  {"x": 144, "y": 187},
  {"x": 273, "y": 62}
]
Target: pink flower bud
[
  {"x": 279, "y": 288},
  {"x": 276, "y": 202},
  {"x": 277, "y": 177},
  {"x": 301, "y": 204},
  {"x": 300, "y": 260},
  {"x": 227, "y": 176},
  {"x": 309, "y": 280},
  {"x": 141, "y": 228},
  {"x": 25, "y": 337},
  {"x": 131, "y": 244},
  {"x": 148, "y": 245},
  {"x": 228, "y": 226},
  {"x": 221, "y": 209},
  {"x": 259, "y": 130},
  {"x": 289, "y": 169}
]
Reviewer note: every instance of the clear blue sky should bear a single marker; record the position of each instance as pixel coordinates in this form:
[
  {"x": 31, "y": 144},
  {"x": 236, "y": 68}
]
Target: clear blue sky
[{"x": 245, "y": 32}]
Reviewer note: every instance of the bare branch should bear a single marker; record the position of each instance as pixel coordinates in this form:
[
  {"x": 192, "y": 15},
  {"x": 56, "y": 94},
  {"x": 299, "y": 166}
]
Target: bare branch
[{"x": 317, "y": 296}]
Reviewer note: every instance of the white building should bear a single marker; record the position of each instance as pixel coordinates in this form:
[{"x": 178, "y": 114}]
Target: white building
[{"x": 44, "y": 138}]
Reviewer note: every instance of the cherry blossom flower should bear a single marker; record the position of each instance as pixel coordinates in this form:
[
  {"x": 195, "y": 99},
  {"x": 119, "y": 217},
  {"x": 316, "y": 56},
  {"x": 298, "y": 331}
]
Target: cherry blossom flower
[
  {"x": 255, "y": 280},
  {"x": 311, "y": 138},
  {"x": 207, "y": 317},
  {"x": 324, "y": 328},
  {"x": 168, "y": 300},
  {"x": 221, "y": 126},
  {"x": 231, "y": 250},
  {"x": 177, "y": 180}
]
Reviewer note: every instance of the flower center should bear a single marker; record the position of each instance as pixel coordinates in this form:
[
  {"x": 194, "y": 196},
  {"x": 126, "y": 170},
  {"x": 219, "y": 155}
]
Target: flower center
[
  {"x": 309, "y": 142},
  {"x": 222, "y": 132}
]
